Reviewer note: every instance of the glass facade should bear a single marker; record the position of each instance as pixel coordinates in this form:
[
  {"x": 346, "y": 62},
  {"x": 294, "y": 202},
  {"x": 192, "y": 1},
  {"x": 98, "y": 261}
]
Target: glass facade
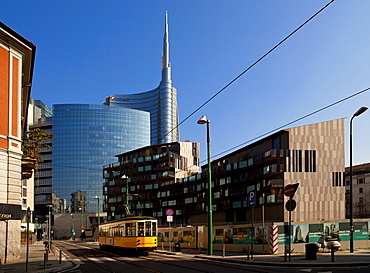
[
  {"x": 160, "y": 102},
  {"x": 87, "y": 137}
]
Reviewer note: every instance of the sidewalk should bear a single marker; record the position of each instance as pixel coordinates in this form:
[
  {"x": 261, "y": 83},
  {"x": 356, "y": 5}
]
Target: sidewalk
[
  {"x": 361, "y": 257},
  {"x": 36, "y": 261}
]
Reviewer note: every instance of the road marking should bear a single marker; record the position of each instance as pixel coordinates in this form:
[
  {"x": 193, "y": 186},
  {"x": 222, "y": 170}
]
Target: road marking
[
  {"x": 78, "y": 261},
  {"x": 95, "y": 260},
  {"x": 108, "y": 259}
]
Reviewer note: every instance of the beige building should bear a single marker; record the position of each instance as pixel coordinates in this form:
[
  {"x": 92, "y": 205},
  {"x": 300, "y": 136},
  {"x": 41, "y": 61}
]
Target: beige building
[{"x": 316, "y": 162}]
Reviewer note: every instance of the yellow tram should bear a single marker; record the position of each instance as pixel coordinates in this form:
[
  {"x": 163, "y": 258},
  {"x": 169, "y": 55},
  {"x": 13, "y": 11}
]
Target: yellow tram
[{"x": 135, "y": 233}]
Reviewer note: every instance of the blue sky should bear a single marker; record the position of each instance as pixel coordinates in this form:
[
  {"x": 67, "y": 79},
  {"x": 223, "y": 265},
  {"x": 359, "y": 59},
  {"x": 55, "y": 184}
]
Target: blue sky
[{"x": 87, "y": 50}]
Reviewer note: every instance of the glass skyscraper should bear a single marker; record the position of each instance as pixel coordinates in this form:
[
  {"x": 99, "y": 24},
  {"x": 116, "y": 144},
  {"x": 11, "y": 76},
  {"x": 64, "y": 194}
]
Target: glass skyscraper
[
  {"x": 161, "y": 102},
  {"x": 87, "y": 137}
]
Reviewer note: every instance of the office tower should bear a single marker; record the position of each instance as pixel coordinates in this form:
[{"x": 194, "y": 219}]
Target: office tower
[
  {"x": 87, "y": 137},
  {"x": 161, "y": 102}
]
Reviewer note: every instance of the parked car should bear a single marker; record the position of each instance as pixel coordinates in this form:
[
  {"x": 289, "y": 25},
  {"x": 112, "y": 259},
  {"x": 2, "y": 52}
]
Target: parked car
[{"x": 328, "y": 243}]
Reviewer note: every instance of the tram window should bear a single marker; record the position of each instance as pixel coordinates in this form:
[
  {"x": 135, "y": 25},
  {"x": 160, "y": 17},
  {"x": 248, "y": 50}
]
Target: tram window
[
  {"x": 128, "y": 229},
  {"x": 121, "y": 230},
  {"x": 148, "y": 228},
  {"x": 131, "y": 229},
  {"x": 154, "y": 229},
  {"x": 140, "y": 228}
]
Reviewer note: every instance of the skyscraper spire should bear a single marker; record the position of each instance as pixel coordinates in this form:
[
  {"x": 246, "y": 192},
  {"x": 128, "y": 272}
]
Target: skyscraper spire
[{"x": 166, "y": 53}]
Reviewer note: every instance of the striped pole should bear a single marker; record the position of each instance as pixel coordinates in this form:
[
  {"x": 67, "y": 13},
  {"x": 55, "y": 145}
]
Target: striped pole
[{"x": 273, "y": 239}]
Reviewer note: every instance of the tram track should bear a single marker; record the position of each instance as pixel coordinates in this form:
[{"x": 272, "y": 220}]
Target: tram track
[
  {"x": 88, "y": 258},
  {"x": 178, "y": 264}
]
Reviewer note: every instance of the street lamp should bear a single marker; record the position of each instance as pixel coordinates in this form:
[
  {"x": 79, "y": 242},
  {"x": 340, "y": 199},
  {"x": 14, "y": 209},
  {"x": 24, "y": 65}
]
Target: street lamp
[
  {"x": 80, "y": 209},
  {"x": 126, "y": 197},
  {"x": 97, "y": 197},
  {"x": 49, "y": 226},
  {"x": 73, "y": 227},
  {"x": 359, "y": 112},
  {"x": 204, "y": 120}
]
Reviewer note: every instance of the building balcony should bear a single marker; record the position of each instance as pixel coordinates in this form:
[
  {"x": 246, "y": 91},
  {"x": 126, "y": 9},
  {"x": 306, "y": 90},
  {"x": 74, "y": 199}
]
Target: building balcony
[
  {"x": 44, "y": 174},
  {"x": 43, "y": 166},
  {"x": 43, "y": 202},
  {"x": 43, "y": 190},
  {"x": 44, "y": 182},
  {"x": 47, "y": 157},
  {"x": 28, "y": 165},
  {"x": 45, "y": 149}
]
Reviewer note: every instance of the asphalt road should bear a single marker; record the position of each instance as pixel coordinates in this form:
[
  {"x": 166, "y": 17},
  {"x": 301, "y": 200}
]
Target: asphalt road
[{"x": 88, "y": 258}]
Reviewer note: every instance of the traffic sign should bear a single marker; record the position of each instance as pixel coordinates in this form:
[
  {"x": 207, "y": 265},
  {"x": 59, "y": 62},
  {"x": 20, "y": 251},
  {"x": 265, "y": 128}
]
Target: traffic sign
[
  {"x": 290, "y": 205},
  {"x": 169, "y": 212},
  {"x": 290, "y": 189},
  {"x": 169, "y": 218},
  {"x": 252, "y": 198}
]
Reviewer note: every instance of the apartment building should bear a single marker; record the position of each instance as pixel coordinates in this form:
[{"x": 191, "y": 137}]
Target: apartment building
[{"x": 311, "y": 155}]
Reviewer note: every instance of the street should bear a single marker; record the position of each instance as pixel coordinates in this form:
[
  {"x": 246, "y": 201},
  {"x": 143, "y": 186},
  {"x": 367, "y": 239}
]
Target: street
[{"x": 88, "y": 258}]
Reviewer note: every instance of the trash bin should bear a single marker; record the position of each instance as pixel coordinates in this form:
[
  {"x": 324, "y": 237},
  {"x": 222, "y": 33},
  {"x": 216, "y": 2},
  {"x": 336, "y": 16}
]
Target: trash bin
[
  {"x": 311, "y": 250},
  {"x": 177, "y": 247}
]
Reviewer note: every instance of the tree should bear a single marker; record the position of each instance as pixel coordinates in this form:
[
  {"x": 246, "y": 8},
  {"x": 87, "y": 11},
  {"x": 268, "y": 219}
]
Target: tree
[{"x": 33, "y": 140}]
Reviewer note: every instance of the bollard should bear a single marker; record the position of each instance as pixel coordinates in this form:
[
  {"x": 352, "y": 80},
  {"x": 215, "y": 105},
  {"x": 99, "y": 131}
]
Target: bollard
[
  {"x": 60, "y": 256},
  {"x": 200, "y": 250},
  {"x": 332, "y": 251},
  {"x": 247, "y": 252},
  {"x": 188, "y": 247},
  {"x": 285, "y": 252},
  {"x": 45, "y": 259},
  {"x": 223, "y": 250}
]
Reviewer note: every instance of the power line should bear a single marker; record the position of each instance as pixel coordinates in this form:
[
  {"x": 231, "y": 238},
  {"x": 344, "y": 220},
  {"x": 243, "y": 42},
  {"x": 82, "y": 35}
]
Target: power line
[
  {"x": 246, "y": 70},
  {"x": 294, "y": 121}
]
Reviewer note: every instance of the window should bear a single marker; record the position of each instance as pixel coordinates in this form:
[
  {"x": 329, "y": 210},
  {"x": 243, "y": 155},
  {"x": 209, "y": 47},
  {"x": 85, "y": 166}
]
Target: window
[
  {"x": 276, "y": 143},
  {"x": 360, "y": 181},
  {"x": 242, "y": 164},
  {"x": 361, "y": 190},
  {"x": 188, "y": 200}
]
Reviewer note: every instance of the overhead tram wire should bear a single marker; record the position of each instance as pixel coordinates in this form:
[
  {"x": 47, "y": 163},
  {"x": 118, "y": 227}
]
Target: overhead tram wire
[
  {"x": 246, "y": 70},
  {"x": 290, "y": 123}
]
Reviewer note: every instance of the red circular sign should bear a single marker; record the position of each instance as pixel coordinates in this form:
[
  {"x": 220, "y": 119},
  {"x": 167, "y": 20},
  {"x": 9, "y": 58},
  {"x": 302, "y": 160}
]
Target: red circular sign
[
  {"x": 289, "y": 190},
  {"x": 169, "y": 212}
]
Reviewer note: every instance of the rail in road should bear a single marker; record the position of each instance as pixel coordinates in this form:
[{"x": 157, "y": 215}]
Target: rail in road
[{"x": 85, "y": 255}]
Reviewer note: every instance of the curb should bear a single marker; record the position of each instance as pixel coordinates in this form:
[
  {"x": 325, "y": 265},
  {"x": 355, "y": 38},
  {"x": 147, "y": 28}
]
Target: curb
[
  {"x": 287, "y": 264},
  {"x": 68, "y": 266}
]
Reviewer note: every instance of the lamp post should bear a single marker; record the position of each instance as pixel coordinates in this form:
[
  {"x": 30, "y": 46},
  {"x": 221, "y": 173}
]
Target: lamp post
[
  {"x": 359, "y": 112},
  {"x": 204, "y": 120},
  {"x": 80, "y": 209},
  {"x": 49, "y": 226},
  {"x": 73, "y": 227},
  {"x": 97, "y": 197},
  {"x": 126, "y": 197}
]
